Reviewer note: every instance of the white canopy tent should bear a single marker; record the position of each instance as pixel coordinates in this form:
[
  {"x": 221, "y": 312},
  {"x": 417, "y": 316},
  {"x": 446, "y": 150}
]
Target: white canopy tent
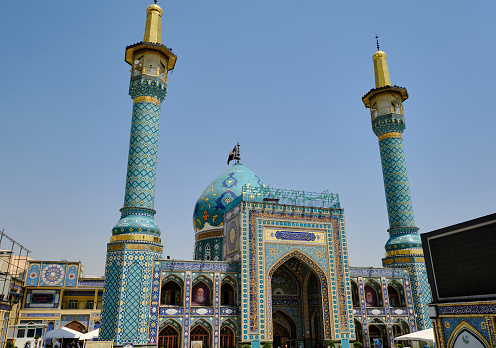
[
  {"x": 63, "y": 332},
  {"x": 90, "y": 335},
  {"x": 422, "y": 335}
]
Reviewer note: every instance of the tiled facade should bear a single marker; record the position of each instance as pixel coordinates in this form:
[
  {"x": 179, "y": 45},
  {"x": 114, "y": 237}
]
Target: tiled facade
[
  {"x": 57, "y": 295},
  {"x": 270, "y": 265}
]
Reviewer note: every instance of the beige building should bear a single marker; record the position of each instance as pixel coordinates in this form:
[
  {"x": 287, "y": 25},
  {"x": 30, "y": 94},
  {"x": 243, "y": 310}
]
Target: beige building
[{"x": 56, "y": 294}]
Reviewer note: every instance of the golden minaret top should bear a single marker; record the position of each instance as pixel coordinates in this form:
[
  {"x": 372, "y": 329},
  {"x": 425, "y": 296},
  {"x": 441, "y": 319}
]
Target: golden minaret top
[
  {"x": 153, "y": 29},
  {"x": 381, "y": 69}
]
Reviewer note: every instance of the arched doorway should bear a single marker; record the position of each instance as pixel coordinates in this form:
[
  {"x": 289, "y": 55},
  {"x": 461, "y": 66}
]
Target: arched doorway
[
  {"x": 284, "y": 330},
  {"x": 375, "y": 333},
  {"x": 199, "y": 333},
  {"x": 168, "y": 337},
  {"x": 226, "y": 337},
  {"x": 298, "y": 292},
  {"x": 359, "y": 332},
  {"x": 76, "y": 325}
]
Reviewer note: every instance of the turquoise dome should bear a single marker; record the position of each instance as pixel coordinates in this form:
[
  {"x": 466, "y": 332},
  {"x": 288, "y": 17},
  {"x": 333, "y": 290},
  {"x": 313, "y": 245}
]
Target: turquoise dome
[{"x": 211, "y": 206}]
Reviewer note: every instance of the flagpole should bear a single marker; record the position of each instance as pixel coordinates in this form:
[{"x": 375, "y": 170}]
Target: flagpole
[{"x": 237, "y": 156}]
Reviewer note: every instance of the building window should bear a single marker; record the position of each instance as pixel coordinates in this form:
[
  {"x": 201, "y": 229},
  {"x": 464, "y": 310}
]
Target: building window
[
  {"x": 30, "y": 332},
  {"x": 168, "y": 337},
  {"x": 20, "y": 333},
  {"x": 171, "y": 294},
  {"x": 73, "y": 304},
  {"x": 227, "y": 296},
  {"x": 207, "y": 252},
  {"x": 90, "y": 304},
  {"x": 39, "y": 332}
]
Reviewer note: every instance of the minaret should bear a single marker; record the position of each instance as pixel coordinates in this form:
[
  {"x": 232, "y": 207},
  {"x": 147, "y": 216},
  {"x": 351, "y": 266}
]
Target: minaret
[
  {"x": 404, "y": 248},
  {"x": 135, "y": 240}
]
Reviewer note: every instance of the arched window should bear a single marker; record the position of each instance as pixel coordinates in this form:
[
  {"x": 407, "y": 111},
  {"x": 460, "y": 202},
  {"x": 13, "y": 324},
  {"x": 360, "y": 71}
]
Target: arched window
[
  {"x": 199, "y": 333},
  {"x": 396, "y": 294},
  {"x": 370, "y": 296},
  {"x": 170, "y": 294},
  {"x": 168, "y": 337},
  {"x": 227, "y": 295},
  {"x": 394, "y": 297},
  {"x": 226, "y": 337},
  {"x": 207, "y": 252},
  {"x": 354, "y": 294}
]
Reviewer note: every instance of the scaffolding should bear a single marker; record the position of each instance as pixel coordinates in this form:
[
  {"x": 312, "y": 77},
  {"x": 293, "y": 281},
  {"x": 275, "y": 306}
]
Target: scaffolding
[{"x": 13, "y": 263}]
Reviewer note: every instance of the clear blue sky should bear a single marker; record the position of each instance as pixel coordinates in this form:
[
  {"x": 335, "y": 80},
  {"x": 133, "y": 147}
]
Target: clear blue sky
[{"x": 284, "y": 78}]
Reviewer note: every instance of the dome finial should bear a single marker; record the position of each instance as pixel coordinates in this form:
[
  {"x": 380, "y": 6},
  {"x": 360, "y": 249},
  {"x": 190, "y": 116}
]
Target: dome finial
[{"x": 377, "y": 41}]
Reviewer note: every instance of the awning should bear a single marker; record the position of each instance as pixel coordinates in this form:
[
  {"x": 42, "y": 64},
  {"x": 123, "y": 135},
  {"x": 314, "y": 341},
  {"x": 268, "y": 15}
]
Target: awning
[
  {"x": 423, "y": 335},
  {"x": 64, "y": 332},
  {"x": 90, "y": 335}
]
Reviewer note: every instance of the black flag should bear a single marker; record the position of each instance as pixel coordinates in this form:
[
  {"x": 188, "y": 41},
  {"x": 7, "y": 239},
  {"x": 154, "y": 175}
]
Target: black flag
[{"x": 232, "y": 155}]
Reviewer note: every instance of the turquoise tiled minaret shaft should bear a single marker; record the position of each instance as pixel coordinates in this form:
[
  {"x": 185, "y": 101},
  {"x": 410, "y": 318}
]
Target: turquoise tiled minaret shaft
[
  {"x": 404, "y": 248},
  {"x": 135, "y": 240}
]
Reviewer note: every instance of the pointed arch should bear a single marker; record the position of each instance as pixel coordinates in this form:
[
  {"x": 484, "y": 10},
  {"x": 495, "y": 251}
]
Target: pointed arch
[
  {"x": 205, "y": 323},
  {"x": 377, "y": 329},
  {"x": 228, "y": 296},
  {"x": 355, "y": 294},
  {"x": 200, "y": 333},
  {"x": 403, "y": 324},
  {"x": 230, "y": 279},
  {"x": 226, "y": 337},
  {"x": 359, "y": 334},
  {"x": 175, "y": 277},
  {"x": 231, "y": 323},
  {"x": 323, "y": 282},
  {"x": 77, "y": 325},
  {"x": 203, "y": 278},
  {"x": 171, "y": 293},
  {"x": 373, "y": 293},
  {"x": 396, "y": 294},
  {"x": 172, "y": 322},
  {"x": 169, "y": 337},
  {"x": 466, "y": 327}
]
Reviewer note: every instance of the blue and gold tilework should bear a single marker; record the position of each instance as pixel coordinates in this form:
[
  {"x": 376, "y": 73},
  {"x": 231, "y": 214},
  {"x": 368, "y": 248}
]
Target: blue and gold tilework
[
  {"x": 397, "y": 187},
  {"x": 71, "y": 276},
  {"x": 33, "y": 275},
  {"x": 211, "y": 205},
  {"x": 476, "y": 328},
  {"x": 142, "y": 159}
]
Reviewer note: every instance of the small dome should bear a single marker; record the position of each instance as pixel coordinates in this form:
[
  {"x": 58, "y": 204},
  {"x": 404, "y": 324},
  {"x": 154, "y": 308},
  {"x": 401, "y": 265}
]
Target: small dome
[
  {"x": 211, "y": 206},
  {"x": 379, "y": 55},
  {"x": 154, "y": 7}
]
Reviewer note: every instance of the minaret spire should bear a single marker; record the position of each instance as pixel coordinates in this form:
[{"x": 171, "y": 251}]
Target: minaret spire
[
  {"x": 380, "y": 68},
  {"x": 153, "y": 28},
  {"x": 404, "y": 248}
]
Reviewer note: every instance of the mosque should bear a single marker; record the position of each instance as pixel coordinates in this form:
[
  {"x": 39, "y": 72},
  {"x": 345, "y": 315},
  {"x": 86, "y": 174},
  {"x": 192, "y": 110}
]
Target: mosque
[{"x": 270, "y": 265}]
